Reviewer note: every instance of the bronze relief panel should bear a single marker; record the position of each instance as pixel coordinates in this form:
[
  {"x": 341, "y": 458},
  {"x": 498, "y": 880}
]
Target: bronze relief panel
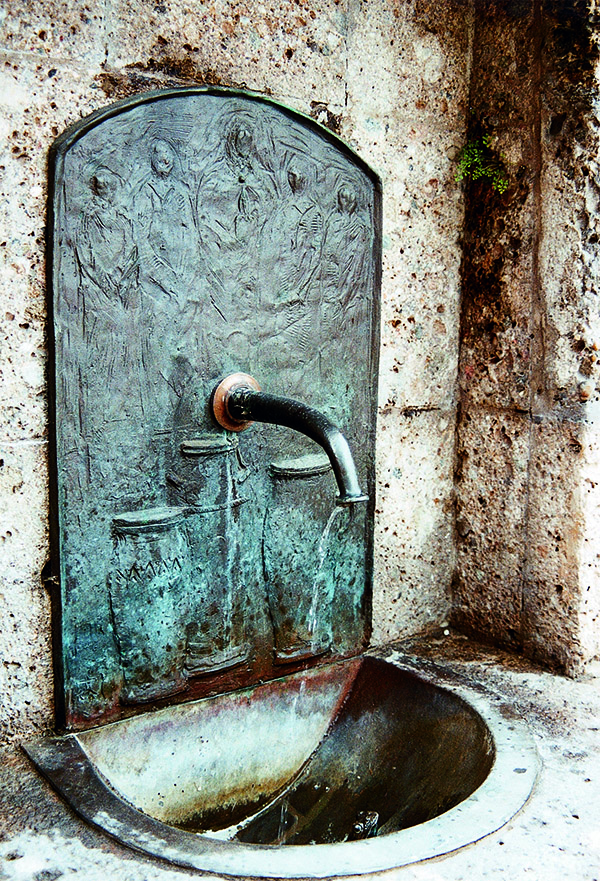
[{"x": 195, "y": 233}]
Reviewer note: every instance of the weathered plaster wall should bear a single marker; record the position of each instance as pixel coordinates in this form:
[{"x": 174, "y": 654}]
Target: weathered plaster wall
[
  {"x": 528, "y": 476},
  {"x": 390, "y": 77},
  {"x": 407, "y": 76}
]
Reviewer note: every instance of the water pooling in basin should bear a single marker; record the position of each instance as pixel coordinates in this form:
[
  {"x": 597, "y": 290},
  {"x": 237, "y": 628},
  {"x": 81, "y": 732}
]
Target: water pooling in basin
[{"x": 309, "y": 763}]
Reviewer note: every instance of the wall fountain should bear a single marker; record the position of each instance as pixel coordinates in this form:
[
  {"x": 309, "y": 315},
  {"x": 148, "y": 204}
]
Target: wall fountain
[{"x": 211, "y": 592}]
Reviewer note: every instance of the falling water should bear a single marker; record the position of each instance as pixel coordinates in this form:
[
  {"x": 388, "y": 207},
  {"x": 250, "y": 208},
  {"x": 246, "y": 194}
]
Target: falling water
[
  {"x": 282, "y": 821},
  {"x": 322, "y": 554},
  {"x": 298, "y": 697},
  {"x": 231, "y": 545}
]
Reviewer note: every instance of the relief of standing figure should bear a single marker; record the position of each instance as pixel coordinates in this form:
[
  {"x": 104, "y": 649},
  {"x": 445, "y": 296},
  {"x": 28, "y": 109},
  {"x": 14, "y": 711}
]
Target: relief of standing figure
[
  {"x": 108, "y": 264},
  {"x": 346, "y": 260},
  {"x": 236, "y": 192},
  {"x": 290, "y": 254},
  {"x": 235, "y": 197},
  {"x": 107, "y": 257},
  {"x": 170, "y": 266},
  {"x": 167, "y": 233}
]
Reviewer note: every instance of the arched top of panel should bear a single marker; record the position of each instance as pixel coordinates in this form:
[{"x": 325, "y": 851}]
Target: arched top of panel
[{"x": 82, "y": 127}]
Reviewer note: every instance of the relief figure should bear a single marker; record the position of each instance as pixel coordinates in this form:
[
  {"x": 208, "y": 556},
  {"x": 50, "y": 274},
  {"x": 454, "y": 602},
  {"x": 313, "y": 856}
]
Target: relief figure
[
  {"x": 290, "y": 255},
  {"x": 236, "y": 194},
  {"x": 167, "y": 233},
  {"x": 346, "y": 255},
  {"x": 345, "y": 279},
  {"x": 291, "y": 241},
  {"x": 107, "y": 259},
  {"x": 170, "y": 271},
  {"x": 235, "y": 191}
]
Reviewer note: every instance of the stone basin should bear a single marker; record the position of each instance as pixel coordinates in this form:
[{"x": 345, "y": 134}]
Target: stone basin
[{"x": 287, "y": 779}]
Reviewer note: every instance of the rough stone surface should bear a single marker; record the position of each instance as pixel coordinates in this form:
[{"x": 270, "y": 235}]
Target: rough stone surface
[
  {"x": 409, "y": 118},
  {"x": 498, "y": 271},
  {"x": 492, "y": 461},
  {"x": 26, "y": 669},
  {"x": 570, "y": 281},
  {"x": 569, "y": 267},
  {"x": 589, "y": 561},
  {"x": 414, "y": 537},
  {"x": 530, "y": 329},
  {"x": 296, "y": 50},
  {"x": 54, "y": 30},
  {"x": 552, "y": 593},
  {"x": 498, "y": 274}
]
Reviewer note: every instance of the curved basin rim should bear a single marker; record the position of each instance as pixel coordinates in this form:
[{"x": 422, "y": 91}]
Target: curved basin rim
[{"x": 502, "y": 794}]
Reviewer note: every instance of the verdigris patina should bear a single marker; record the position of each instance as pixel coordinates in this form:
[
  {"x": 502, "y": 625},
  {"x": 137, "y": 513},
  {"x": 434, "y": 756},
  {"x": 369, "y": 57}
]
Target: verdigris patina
[{"x": 195, "y": 233}]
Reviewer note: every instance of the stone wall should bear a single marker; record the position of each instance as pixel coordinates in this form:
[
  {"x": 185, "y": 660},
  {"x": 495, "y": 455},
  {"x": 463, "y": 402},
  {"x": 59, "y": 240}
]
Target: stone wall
[
  {"x": 390, "y": 78},
  {"x": 528, "y": 478}
]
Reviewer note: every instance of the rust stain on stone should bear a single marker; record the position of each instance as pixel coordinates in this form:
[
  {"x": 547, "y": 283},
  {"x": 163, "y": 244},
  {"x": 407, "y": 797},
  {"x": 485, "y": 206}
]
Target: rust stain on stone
[
  {"x": 322, "y": 114},
  {"x": 158, "y": 74}
]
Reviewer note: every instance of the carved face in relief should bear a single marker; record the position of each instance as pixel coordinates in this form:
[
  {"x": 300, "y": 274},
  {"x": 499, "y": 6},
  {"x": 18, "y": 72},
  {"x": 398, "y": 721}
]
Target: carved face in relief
[
  {"x": 104, "y": 184},
  {"x": 296, "y": 179},
  {"x": 346, "y": 200},
  {"x": 162, "y": 158},
  {"x": 240, "y": 142}
]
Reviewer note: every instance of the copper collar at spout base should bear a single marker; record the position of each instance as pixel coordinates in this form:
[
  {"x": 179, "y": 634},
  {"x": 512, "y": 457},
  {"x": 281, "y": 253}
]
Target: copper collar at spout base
[{"x": 221, "y": 396}]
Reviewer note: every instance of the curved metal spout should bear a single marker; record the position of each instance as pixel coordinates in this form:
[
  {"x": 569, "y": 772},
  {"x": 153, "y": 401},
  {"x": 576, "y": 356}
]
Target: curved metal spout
[{"x": 243, "y": 404}]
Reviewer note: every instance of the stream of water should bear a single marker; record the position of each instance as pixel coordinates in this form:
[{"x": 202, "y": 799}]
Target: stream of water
[{"x": 324, "y": 543}]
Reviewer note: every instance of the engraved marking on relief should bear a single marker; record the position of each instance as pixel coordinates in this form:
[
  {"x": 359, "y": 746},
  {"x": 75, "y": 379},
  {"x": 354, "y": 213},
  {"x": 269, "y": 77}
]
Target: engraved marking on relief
[{"x": 148, "y": 595}]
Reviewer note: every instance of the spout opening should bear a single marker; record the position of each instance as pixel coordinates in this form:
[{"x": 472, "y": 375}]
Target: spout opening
[{"x": 347, "y": 501}]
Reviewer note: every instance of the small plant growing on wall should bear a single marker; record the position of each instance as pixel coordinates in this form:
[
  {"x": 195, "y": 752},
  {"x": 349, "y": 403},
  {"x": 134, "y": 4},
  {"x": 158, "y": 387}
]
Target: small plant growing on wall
[{"x": 477, "y": 159}]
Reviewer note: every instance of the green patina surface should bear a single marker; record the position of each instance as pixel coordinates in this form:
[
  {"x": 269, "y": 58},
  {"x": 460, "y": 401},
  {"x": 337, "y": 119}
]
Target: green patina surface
[{"x": 196, "y": 233}]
